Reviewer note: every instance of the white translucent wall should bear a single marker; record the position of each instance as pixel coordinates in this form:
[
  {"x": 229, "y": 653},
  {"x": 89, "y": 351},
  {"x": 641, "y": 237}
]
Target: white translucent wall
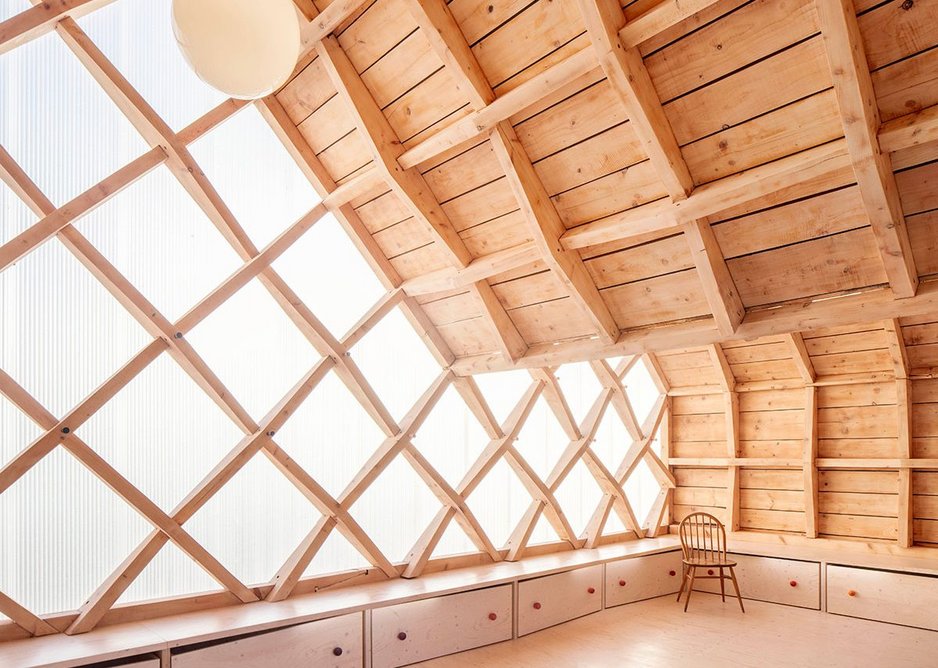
[{"x": 62, "y": 531}]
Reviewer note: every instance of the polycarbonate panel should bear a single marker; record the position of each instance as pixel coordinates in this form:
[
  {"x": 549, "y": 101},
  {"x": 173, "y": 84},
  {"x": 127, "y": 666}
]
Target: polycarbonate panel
[
  {"x": 137, "y": 36},
  {"x": 578, "y": 495},
  {"x": 641, "y": 389},
  {"x": 161, "y": 241},
  {"x": 330, "y": 435},
  {"x": 171, "y": 573},
  {"x": 70, "y": 531},
  {"x": 580, "y": 386},
  {"x": 499, "y": 502},
  {"x": 160, "y": 419},
  {"x": 336, "y": 555},
  {"x": 395, "y": 509},
  {"x": 254, "y": 348},
  {"x": 451, "y": 438},
  {"x": 542, "y": 440},
  {"x": 326, "y": 256},
  {"x": 396, "y": 363},
  {"x": 15, "y": 216},
  {"x": 255, "y": 175},
  {"x": 57, "y": 123},
  {"x": 503, "y": 390},
  {"x": 641, "y": 489},
  {"x": 62, "y": 332},
  {"x": 254, "y": 522}
]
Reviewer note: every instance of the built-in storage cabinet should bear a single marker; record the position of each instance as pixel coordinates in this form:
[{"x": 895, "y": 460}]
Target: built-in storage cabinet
[
  {"x": 149, "y": 661},
  {"x": 411, "y": 632},
  {"x": 898, "y": 598},
  {"x": 636, "y": 579},
  {"x": 554, "y": 599},
  {"x": 335, "y": 642},
  {"x": 769, "y": 579}
]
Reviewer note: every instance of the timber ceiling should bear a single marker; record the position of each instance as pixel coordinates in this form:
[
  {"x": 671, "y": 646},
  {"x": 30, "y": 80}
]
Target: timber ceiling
[{"x": 550, "y": 178}]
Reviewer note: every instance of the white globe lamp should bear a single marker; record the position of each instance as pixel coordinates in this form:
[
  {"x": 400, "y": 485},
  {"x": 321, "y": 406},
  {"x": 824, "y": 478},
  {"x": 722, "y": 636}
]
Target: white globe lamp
[{"x": 245, "y": 48}]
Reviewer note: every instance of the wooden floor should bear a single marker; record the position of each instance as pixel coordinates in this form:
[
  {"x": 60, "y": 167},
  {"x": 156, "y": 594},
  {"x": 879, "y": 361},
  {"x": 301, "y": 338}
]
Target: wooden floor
[{"x": 657, "y": 633}]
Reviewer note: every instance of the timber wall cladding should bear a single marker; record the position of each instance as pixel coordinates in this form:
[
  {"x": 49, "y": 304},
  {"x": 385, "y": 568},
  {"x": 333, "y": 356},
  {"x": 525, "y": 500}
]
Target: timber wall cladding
[{"x": 870, "y": 414}]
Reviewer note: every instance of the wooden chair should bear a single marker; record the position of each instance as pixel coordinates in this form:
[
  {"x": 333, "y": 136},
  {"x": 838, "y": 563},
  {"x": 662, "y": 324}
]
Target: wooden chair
[{"x": 703, "y": 542}]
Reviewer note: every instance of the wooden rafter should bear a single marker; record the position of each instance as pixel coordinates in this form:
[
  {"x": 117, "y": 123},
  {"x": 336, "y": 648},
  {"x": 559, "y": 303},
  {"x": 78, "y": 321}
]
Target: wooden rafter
[
  {"x": 897, "y": 349},
  {"x": 626, "y": 73},
  {"x": 853, "y": 86},
  {"x": 809, "y": 463},
  {"x": 905, "y": 510},
  {"x": 718, "y": 285},
  {"x": 799, "y": 354},
  {"x": 876, "y": 304},
  {"x": 41, "y": 19},
  {"x": 450, "y": 44}
]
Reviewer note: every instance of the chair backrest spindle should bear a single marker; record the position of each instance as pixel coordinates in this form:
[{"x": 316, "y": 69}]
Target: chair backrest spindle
[{"x": 702, "y": 537}]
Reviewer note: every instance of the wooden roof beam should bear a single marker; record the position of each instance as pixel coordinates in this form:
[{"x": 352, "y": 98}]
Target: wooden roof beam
[
  {"x": 718, "y": 285},
  {"x": 547, "y": 227},
  {"x": 853, "y": 86},
  {"x": 897, "y": 349},
  {"x": 626, "y": 73},
  {"x": 801, "y": 357},
  {"x": 450, "y": 45},
  {"x": 408, "y": 184},
  {"x": 870, "y": 305}
]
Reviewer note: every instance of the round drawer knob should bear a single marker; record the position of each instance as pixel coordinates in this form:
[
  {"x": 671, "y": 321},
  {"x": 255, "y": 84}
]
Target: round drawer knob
[
  {"x": 621, "y": 583},
  {"x": 493, "y": 616},
  {"x": 672, "y": 573},
  {"x": 337, "y": 651},
  {"x": 709, "y": 571},
  {"x": 851, "y": 593},
  {"x": 591, "y": 590},
  {"x": 793, "y": 583},
  {"x": 536, "y": 606},
  {"x": 402, "y": 636}
]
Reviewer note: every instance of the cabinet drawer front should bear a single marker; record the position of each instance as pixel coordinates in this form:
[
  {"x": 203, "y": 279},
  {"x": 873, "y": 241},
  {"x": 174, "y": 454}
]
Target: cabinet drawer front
[
  {"x": 553, "y": 599},
  {"x": 312, "y": 644},
  {"x": 639, "y": 578},
  {"x": 411, "y": 632},
  {"x": 898, "y": 598},
  {"x": 784, "y": 581}
]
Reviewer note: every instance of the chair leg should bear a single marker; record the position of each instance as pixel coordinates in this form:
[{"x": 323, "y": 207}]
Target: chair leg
[
  {"x": 690, "y": 587},
  {"x": 683, "y": 582},
  {"x": 736, "y": 585},
  {"x": 722, "y": 588}
]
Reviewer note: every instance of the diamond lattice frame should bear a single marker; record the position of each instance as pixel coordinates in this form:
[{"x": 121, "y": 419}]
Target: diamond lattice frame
[{"x": 170, "y": 148}]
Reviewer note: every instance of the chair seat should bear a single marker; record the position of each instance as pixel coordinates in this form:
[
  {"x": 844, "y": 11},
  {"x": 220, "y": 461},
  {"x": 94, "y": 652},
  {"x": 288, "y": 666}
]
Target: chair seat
[{"x": 709, "y": 562}]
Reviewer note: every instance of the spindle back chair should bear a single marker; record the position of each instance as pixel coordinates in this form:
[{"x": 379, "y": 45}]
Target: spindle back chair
[{"x": 703, "y": 543}]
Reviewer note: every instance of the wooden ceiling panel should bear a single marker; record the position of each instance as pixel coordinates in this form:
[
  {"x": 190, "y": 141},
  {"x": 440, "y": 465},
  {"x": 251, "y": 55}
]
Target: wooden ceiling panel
[
  {"x": 621, "y": 190},
  {"x": 306, "y": 92},
  {"x": 529, "y": 290},
  {"x": 487, "y": 202},
  {"x": 907, "y": 86},
  {"x": 640, "y": 262},
  {"x": 468, "y": 337},
  {"x": 385, "y": 24},
  {"x": 451, "y": 309},
  {"x": 549, "y": 321},
  {"x": 798, "y": 126},
  {"x": 382, "y": 212},
  {"x": 796, "y": 73},
  {"x": 501, "y": 233},
  {"x": 612, "y": 150},
  {"x": 346, "y": 157},
  {"x": 585, "y": 114},
  {"x": 830, "y": 264},
  {"x": 415, "y": 113},
  {"x": 820, "y": 216},
  {"x": 401, "y": 69},
  {"x": 918, "y": 188},
  {"x": 750, "y": 33},
  {"x": 527, "y": 39},
  {"x": 895, "y": 30},
  {"x": 923, "y": 234},
  {"x": 467, "y": 171},
  {"x": 665, "y": 298}
]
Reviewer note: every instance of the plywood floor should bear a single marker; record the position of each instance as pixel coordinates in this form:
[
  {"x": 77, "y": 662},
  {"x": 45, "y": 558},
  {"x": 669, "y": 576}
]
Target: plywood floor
[{"x": 657, "y": 633}]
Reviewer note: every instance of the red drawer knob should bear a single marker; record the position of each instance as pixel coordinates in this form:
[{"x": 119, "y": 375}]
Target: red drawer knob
[
  {"x": 536, "y": 606},
  {"x": 672, "y": 573},
  {"x": 337, "y": 651},
  {"x": 851, "y": 593},
  {"x": 591, "y": 590},
  {"x": 493, "y": 616},
  {"x": 402, "y": 636},
  {"x": 621, "y": 583},
  {"x": 709, "y": 571},
  {"x": 793, "y": 583}
]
